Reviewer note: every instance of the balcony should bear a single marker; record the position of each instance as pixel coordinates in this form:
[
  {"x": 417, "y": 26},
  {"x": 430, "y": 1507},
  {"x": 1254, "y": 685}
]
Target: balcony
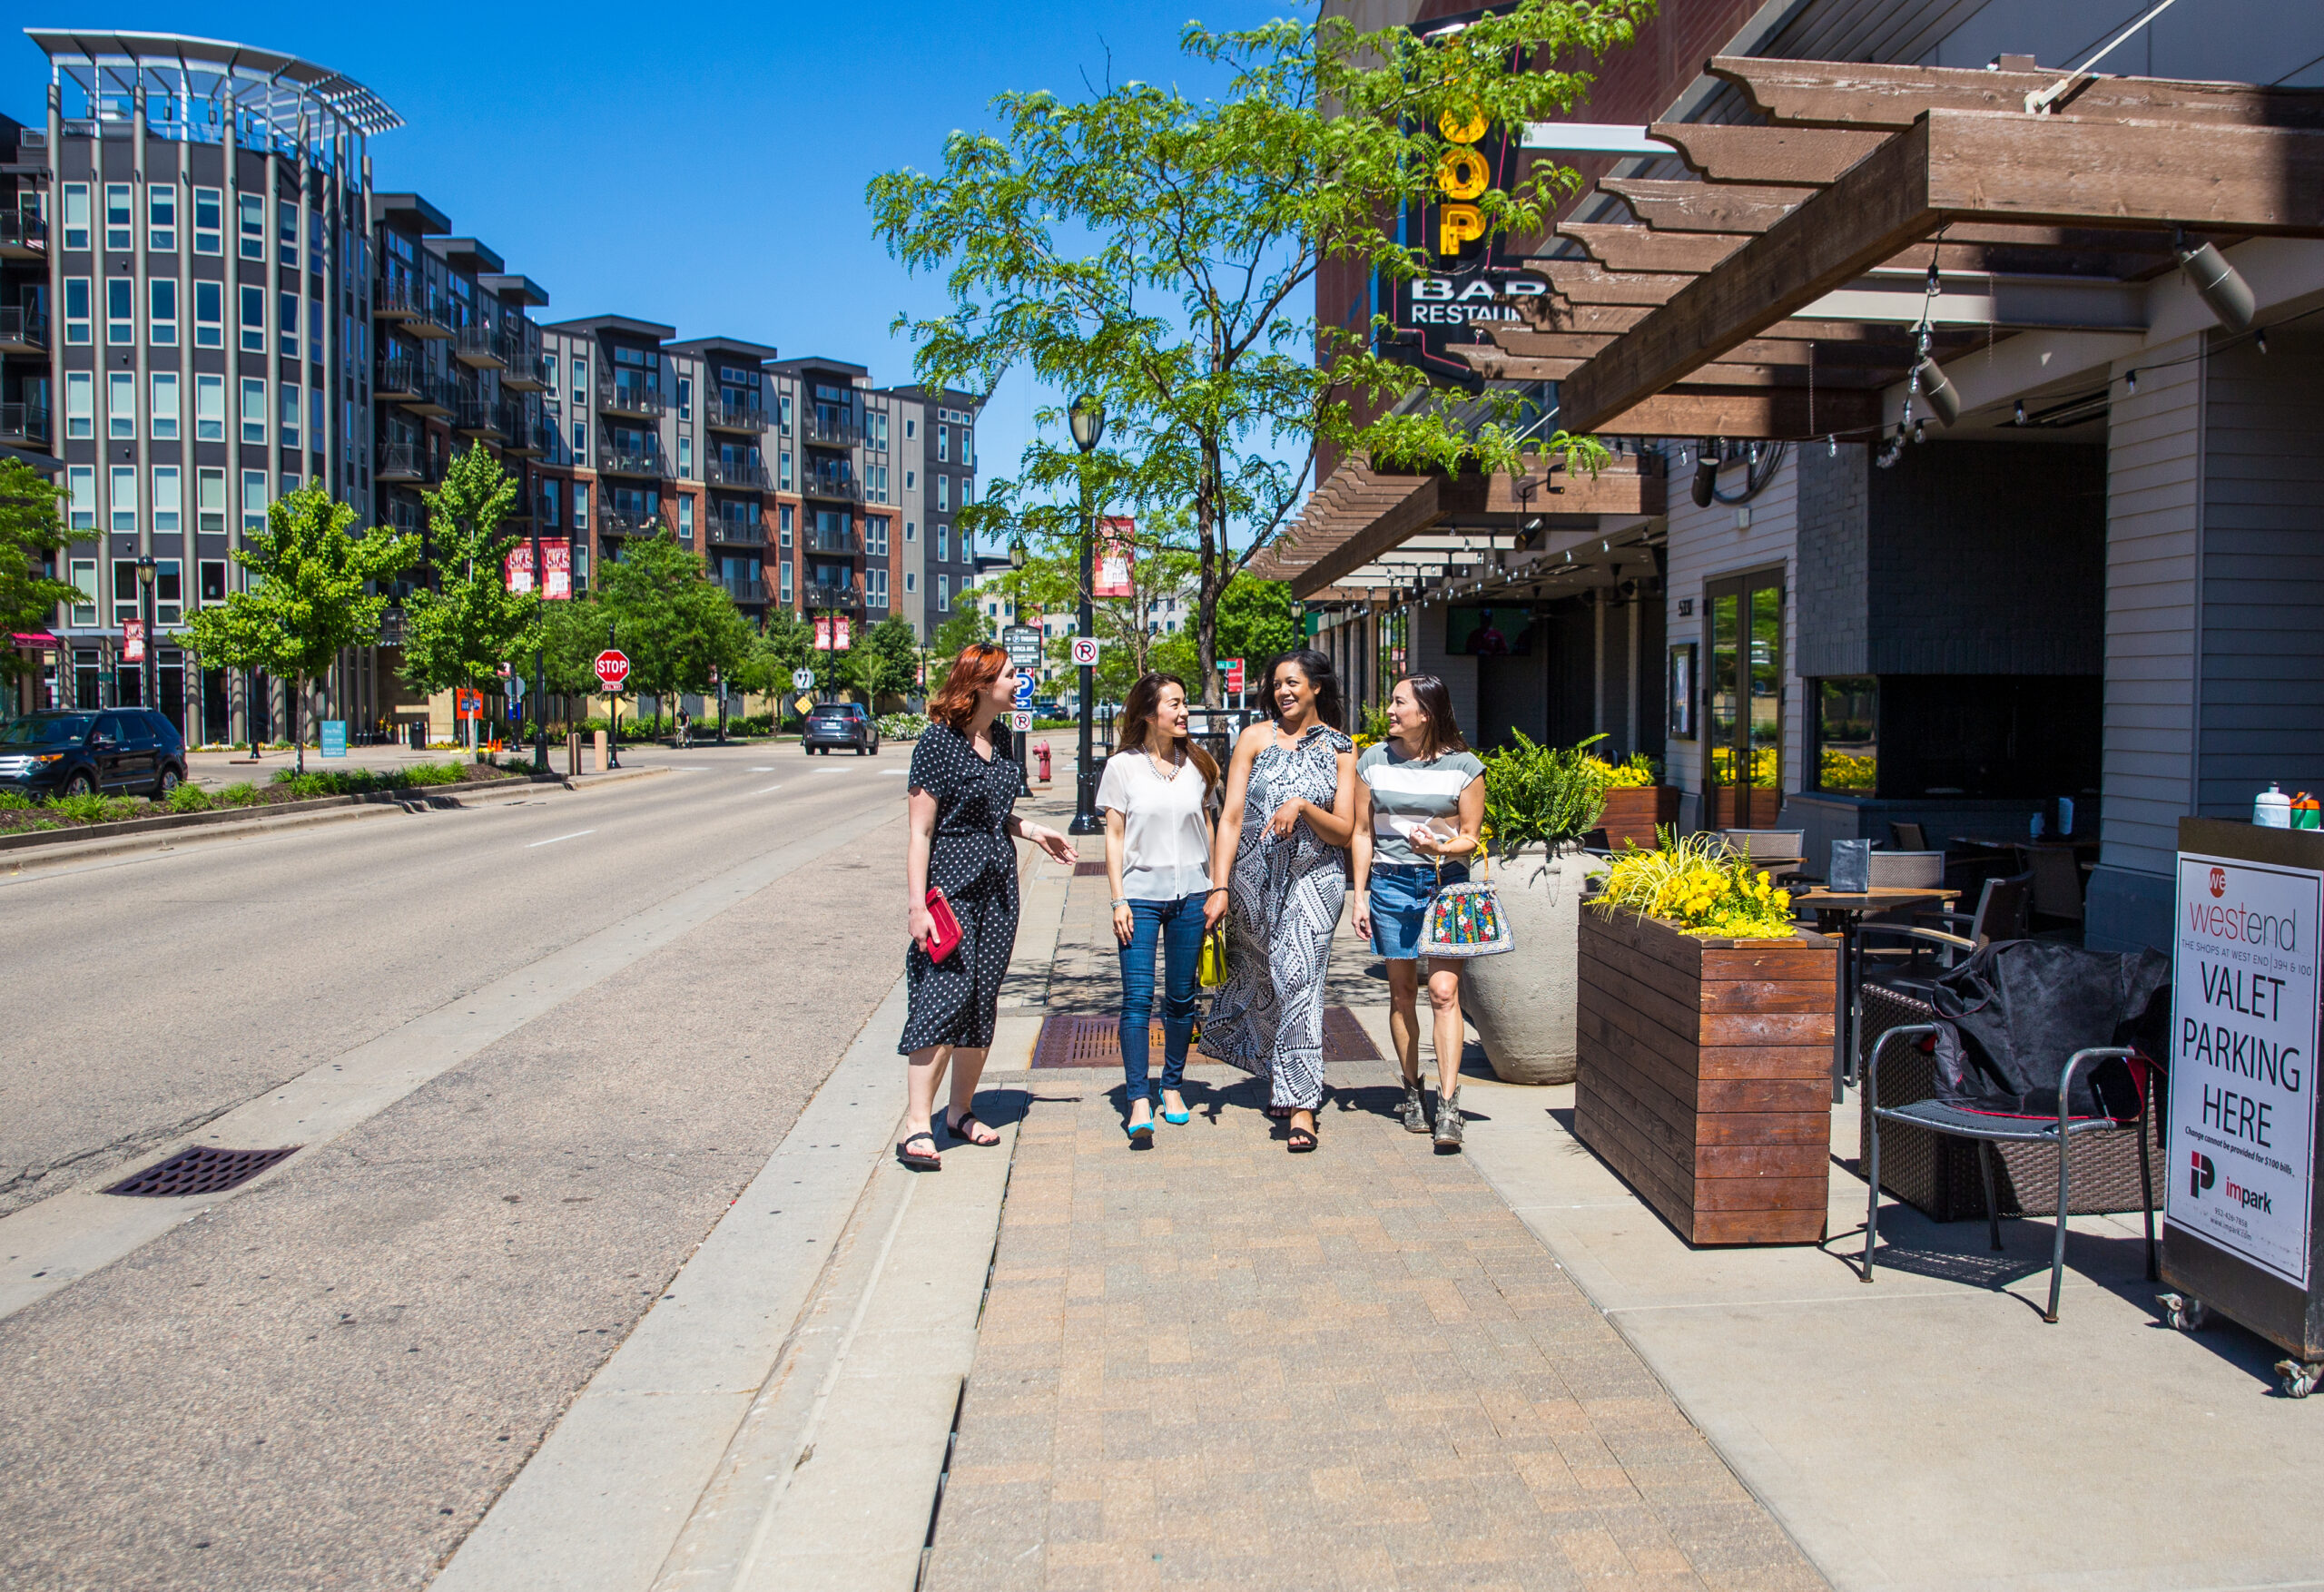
[
  {"x": 640, "y": 402},
  {"x": 23, "y": 236},
  {"x": 745, "y": 589},
  {"x": 618, "y": 522},
  {"x": 520, "y": 351},
  {"x": 724, "y": 416},
  {"x": 23, "y": 423},
  {"x": 524, "y": 437},
  {"x": 477, "y": 419},
  {"x": 743, "y": 478},
  {"x": 23, "y": 331},
  {"x": 743, "y": 530},
  {"x": 836, "y": 488},
  {"x": 399, "y": 381},
  {"x": 479, "y": 348},
  {"x": 412, "y": 304},
  {"x": 833, "y": 433},
  {"x": 839, "y": 544},
  {"x": 401, "y": 461},
  {"x": 418, "y": 391},
  {"x": 624, "y": 461}
]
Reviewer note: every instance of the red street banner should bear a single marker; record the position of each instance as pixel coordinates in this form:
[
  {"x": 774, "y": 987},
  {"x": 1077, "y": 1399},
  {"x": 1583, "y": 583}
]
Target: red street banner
[
  {"x": 556, "y": 556},
  {"x": 1231, "y": 668},
  {"x": 1116, "y": 557},
  {"x": 612, "y": 668},
  {"x": 132, "y": 641},
  {"x": 468, "y": 704},
  {"x": 833, "y": 632}
]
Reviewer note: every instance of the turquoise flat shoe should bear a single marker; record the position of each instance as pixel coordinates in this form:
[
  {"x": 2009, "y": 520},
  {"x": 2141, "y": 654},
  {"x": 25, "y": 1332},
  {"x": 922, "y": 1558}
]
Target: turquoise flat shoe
[{"x": 1139, "y": 1130}]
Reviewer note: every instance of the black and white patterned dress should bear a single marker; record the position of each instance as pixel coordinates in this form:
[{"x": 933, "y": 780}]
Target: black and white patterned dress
[
  {"x": 1283, "y": 897},
  {"x": 970, "y": 859}
]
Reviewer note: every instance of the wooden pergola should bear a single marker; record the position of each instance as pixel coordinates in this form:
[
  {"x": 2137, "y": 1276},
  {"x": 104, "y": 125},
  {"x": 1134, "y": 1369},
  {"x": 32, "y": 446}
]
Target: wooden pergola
[{"x": 1782, "y": 292}]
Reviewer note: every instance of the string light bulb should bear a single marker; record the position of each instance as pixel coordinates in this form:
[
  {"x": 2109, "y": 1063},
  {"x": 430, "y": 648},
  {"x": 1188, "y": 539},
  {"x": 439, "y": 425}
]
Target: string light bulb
[
  {"x": 2133, "y": 381},
  {"x": 1831, "y": 445},
  {"x": 2259, "y": 340},
  {"x": 2019, "y": 419}
]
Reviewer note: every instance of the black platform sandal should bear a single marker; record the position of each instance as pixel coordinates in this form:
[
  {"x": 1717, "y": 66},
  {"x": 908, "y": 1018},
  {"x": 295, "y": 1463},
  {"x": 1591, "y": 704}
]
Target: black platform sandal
[
  {"x": 1302, "y": 1140},
  {"x": 930, "y": 1162}
]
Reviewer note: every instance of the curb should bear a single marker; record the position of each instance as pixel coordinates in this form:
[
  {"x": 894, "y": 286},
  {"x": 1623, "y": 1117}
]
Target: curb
[{"x": 107, "y": 838}]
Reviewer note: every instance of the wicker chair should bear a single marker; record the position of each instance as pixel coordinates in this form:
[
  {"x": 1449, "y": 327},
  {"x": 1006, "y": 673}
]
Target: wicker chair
[{"x": 1989, "y": 1132}]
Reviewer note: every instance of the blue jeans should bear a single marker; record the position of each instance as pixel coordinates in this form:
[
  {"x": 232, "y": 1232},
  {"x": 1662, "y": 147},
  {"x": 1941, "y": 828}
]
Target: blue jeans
[{"x": 1178, "y": 925}]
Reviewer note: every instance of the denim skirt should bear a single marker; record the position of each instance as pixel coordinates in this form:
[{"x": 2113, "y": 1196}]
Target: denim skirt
[{"x": 1400, "y": 896}]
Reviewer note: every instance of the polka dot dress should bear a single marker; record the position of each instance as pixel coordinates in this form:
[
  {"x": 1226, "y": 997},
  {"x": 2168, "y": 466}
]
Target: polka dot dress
[{"x": 972, "y": 860}]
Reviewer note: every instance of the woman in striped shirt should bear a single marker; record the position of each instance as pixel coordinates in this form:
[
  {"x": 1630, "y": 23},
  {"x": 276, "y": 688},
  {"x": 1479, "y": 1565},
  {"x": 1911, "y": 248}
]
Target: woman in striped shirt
[{"x": 1420, "y": 805}]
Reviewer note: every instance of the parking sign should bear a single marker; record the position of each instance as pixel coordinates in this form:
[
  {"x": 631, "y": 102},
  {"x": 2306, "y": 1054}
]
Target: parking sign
[
  {"x": 1085, "y": 652},
  {"x": 1021, "y": 721}
]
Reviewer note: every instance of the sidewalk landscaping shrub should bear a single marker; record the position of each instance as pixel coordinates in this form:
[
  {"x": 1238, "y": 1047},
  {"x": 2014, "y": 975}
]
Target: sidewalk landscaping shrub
[
  {"x": 1698, "y": 887},
  {"x": 19, "y": 813},
  {"x": 1546, "y": 794},
  {"x": 901, "y": 726}
]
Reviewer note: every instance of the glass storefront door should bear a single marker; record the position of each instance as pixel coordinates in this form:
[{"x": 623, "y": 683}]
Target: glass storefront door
[{"x": 1743, "y": 728}]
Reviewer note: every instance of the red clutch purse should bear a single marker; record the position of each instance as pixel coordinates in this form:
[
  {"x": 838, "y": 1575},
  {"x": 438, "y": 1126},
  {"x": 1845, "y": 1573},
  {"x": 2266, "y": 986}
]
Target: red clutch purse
[{"x": 947, "y": 928}]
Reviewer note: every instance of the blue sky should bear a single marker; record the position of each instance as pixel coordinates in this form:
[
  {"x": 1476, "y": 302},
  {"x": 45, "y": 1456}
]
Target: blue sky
[{"x": 700, "y": 165}]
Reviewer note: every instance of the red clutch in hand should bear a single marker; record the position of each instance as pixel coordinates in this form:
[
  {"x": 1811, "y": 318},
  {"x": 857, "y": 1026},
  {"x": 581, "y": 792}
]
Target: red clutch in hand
[{"x": 947, "y": 928}]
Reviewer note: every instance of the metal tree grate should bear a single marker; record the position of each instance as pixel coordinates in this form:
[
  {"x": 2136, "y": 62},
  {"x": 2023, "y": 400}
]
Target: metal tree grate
[
  {"x": 200, "y": 1170},
  {"x": 1077, "y": 1040},
  {"x": 1088, "y": 869}
]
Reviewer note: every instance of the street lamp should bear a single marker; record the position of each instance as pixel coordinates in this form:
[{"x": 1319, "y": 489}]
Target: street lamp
[
  {"x": 1088, "y": 419},
  {"x": 147, "y": 567}
]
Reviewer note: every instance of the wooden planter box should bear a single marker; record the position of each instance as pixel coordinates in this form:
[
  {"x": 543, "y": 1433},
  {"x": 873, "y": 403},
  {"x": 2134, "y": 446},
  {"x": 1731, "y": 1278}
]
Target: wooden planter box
[
  {"x": 1632, "y": 812},
  {"x": 1705, "y": 1075}
]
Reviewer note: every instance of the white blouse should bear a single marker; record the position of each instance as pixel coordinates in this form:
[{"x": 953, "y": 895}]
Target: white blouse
[{"x": 1166, "y": 834}]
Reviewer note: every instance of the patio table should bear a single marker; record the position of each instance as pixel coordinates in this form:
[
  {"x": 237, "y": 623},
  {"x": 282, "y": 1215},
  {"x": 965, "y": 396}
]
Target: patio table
[{"x": 1837, "y": 913}]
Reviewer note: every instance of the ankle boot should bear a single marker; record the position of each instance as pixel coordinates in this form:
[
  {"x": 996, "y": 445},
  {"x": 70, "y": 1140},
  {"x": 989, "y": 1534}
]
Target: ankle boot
[
  {"x": 1415, "y": 1112},
  {"x": 1448, "y": 1120}
]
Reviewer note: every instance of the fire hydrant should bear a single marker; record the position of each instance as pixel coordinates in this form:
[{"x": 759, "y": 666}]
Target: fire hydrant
[{"x": 1042, "y": 758}]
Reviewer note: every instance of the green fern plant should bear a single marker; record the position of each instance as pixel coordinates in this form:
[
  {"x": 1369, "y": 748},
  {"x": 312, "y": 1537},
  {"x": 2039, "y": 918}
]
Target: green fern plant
[{"x": 1547, "y": 794}]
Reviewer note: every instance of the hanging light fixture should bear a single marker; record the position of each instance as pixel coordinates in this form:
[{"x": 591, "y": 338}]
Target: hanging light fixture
[
  {"x": 1943, "y": 398},
  {"x": 2133, "y": 381},
  {"x": 1832, "y": 444},
  {"x": 1706, "y": 485},
  {"x": 2019, "y": 413},
  {"x": 2221, "y": 286}
]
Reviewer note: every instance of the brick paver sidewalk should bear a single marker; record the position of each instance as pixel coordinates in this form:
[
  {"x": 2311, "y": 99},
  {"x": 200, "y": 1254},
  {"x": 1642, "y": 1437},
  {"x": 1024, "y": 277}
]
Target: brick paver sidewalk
[{"x": 1212, "y": 1363}]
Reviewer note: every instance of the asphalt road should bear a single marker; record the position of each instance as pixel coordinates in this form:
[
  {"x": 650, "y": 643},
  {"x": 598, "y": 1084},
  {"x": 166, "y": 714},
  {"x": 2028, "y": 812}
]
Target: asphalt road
[{"x": 325, "y": 1381}]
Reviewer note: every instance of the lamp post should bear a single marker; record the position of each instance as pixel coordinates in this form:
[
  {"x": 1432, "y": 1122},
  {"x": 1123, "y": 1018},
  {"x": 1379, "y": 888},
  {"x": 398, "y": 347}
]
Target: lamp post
[
  {"x": 540, "y": 652},
  {"x": 1016, "y": 617},
  {"x": 147, "y": 567},
  {"x": 1087, "y": 417}
]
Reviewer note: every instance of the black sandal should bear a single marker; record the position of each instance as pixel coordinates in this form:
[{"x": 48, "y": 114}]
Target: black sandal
[
  {"x": 1302, "y": 1140},
  {"x": 932, "y": 1162},
  {"x": 958, "y": 1131}
]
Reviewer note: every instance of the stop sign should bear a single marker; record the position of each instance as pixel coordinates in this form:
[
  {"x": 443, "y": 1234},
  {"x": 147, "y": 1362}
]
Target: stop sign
[{"x": 612, "y": 668}]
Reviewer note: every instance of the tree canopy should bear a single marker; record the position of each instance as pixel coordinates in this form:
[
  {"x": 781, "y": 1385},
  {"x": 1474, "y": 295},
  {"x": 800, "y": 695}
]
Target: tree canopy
[
  {"x": 674, "y": 623},
  {"x": 32, "y": 533},
  {"x": 461, "y": 631}
]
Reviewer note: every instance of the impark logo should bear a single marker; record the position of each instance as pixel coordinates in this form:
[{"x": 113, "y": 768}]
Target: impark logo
[
  {"x": 2201, "y": 1176},
  {"x": 2219, "y": 882}
]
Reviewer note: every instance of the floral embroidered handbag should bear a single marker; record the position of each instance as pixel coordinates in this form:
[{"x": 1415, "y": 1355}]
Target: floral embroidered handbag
[{"x": 1465, "y": 919}]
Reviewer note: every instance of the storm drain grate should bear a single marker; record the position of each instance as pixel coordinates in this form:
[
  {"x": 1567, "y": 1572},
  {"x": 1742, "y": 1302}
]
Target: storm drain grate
[
  {"x": 1096, "y": 1041},
  {"x": 200, "y": 1170},
  {"x": 1095, "y": 870}
]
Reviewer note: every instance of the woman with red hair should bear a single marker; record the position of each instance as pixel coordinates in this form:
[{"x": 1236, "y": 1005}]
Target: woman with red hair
[{"x": 964, "y": 784}]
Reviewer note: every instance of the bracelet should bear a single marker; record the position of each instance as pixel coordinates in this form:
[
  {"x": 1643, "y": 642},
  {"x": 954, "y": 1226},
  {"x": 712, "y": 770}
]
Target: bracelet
[
  {"x": 1216, "y": 889},
  {"x": 1122, "y": 900}
]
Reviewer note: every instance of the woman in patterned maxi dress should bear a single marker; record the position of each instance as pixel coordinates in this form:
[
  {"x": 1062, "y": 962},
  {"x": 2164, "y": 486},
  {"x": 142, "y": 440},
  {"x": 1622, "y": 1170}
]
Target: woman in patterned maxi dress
[{"x": 1290, "y": 812}]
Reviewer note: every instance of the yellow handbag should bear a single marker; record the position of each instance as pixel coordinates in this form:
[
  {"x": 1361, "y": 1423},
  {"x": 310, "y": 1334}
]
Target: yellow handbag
[{"x": 1210, "y": 967}]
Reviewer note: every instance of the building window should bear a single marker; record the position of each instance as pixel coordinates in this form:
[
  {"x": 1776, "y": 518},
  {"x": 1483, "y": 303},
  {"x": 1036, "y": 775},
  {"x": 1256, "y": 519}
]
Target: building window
[
  {"x": 943, "y": 542},
  {"x": 315, "y": 334},
  {"x": 911, "y": 531},
  {"x": 75, "y": 222},
  {"x": 254, "y": 492},
  {"x": 911, "y": 583},
  {"x": 120, "y": 406},
  {"x": 782, "y": 410},
  {"x": 286, "y": 226},
  {"x": 76, "y": 309},
  {"x": 161, "y": 312},
  {"x": 943, "y": 593},
  {"x": 287, "y": 333},
  {"x": 253, "y": 410},
  {"x": 84, "y": 577},
  {"x": 253, "y": 320},
  {"x": 119, "y": 225},
  {"x": 911, "y": 425},
  {"x": 208, "y": 315},
  {"x": 209, "y": 408},
  {"x": 209, "y": 505},
  {"x": 967, "y": 438},
  {"x": 209, "y": 221},
  {"x": 686, "y": 456},
  {"x": 944, "y": 443},
  {"x": 686, "y": 405},
  {"x": 82, "y": 481},
  {"x": 161, "y": 218},
  {"x": 121, "y": 312},
  {"x": 213, "y": 580},
  {"x": 879, "y": 429},
  {"x": 165, "y": 406},
  {"x": 552, "y": 506},
  {"x": 290, "y": 409},
  {"x": 875, "y": 535},
  {"x": 550, "y": 365},
  {"x": 167, "y": 504},
  {"x": 685, "y": 516},
  {"x": 786, "y": 582},
  {"x": 580, "y": 506},
  {"x": 580, "y": 378},
  {"x": 875, "y": 588},
  {"x": 123, "y": 501},
  {"x": 944, "y": 494},
  {"x": 783, "y": 516},
  {"x": 251, "y": 212},
  {"x": 580, "y": 442},
  {"x": 80, "y": 404}
]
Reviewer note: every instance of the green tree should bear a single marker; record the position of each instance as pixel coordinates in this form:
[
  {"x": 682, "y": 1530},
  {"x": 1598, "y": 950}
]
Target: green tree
[
  {"x": 674, "y": 623},
  {"x": 312, "y": 593},
  {"x": 1257, "y": 620},
  {"x": 572, "y": 635},
  {"x": 885, "y": 660},
  {"x": 32, "y": 533},
  {"x": 460, "y": 632},
  {"x": 781, "y": 646},
  {"x": 1160, "y": 253},
  {"x": 967, "y": 624}
]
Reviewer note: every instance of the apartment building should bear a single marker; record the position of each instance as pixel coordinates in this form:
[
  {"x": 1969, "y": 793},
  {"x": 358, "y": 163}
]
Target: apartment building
[{"x": 942, "y": 469}]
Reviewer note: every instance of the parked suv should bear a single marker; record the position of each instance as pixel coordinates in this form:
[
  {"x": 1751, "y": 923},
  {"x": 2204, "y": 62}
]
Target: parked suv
[
  {"x": 840, "y": 723},
  {"x": 81, "y": 753}
]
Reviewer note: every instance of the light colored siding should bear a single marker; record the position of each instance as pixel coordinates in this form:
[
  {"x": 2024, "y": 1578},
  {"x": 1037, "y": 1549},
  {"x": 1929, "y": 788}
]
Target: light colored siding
[
  {"x": 2153, "y": 522},
  {"x": 1704, "y": 547},
  {"x": 1429, "y": 657}
]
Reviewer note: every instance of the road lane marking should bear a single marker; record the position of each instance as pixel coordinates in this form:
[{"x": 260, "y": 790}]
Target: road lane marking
[
  {"x": 553, "y": 840},
  {"x": 769, "y": 788},
  {"x": 895, "y": 773},
  {"x": 759, "y": 771}
]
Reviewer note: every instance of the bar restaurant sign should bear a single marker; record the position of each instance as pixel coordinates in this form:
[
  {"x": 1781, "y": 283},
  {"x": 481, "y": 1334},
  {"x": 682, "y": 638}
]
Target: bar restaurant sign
[
  {"x": 1471, "y": 280},
  {"x": 2243, "y": 1055}
]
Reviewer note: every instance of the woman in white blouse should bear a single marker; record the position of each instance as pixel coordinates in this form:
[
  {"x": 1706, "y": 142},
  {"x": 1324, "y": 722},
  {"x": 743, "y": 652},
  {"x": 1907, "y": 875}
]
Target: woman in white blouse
[{"x": 1156, "y": 796}]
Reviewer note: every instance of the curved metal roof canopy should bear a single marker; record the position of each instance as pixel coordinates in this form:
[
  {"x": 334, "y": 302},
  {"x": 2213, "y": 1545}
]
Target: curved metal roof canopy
[{"x": 243, "y": 66}]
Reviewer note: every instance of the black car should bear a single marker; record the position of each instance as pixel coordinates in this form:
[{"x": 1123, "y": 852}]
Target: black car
[
  {"x": 840, "y": 723},
  {"x": 80, "y": 753}
]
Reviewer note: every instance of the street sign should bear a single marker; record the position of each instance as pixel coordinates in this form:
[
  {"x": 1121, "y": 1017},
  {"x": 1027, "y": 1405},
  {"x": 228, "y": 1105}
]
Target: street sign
[
  {"x": 1020, "y": 721},
  {"x": 1085, "y": 652},
  {"x": 467, "y": 703},
  {"x": 1231, "y": 668},
  {"x": 803, "y": 704},
  {"x": 515, "y": 685},
  {"x": 612, "y": 668},
  {"x": 1024, "y": 689},
  {"x": 1024, "y": 644},
  {"x": 334, "y": 737},
  {"x": 802, "y": 680}
]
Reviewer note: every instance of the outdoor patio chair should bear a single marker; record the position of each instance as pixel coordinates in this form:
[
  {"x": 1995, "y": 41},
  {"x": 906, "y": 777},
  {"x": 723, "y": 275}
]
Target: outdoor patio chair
[
  {"x": 2057, "y": 882},
  {"x": 1766, "y": 845},
  {"x": 1907, "y": 837},
  {"x": 1897, "y": 958}
]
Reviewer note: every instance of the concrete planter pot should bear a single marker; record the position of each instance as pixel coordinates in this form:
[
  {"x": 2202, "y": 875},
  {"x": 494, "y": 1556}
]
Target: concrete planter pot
[{"x": 1524, "y": 1002}]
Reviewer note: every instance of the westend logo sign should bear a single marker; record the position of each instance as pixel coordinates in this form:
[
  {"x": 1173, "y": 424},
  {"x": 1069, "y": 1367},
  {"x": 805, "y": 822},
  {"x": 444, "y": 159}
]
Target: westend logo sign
[{"x": 2243, "y": 1040}]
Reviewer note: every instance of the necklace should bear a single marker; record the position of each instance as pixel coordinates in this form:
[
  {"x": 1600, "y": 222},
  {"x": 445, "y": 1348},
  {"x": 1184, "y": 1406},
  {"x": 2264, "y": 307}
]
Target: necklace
[{"x": 1171, "y": 771}]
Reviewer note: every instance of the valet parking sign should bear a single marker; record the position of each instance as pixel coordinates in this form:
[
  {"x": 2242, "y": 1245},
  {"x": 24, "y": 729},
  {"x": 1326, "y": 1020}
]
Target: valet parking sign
[{"x": 2242, "y": 1064}]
